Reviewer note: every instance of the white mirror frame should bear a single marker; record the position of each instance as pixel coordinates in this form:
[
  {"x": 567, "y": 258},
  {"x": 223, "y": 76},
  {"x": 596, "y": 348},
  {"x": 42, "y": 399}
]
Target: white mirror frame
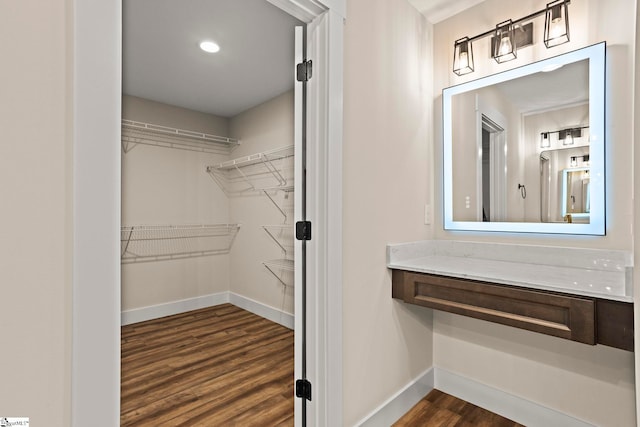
[{"x": 596, "y": 226}]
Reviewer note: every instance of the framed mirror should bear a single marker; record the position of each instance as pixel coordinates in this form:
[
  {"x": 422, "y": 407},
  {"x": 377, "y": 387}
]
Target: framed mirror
[{"x": 524, "y": 149}]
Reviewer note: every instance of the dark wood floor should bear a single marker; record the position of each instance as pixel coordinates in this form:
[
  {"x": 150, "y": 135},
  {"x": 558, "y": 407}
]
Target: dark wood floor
[
  {"x": 211, "y": 367},
  {"x": 225, "y": 366},
  {"x": 439, "y": 409}
]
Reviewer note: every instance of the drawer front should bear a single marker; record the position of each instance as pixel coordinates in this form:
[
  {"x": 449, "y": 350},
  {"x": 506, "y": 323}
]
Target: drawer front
[{"x": 552, "y": 314}]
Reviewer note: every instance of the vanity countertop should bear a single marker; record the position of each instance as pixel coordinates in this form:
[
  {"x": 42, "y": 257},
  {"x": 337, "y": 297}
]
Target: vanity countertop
[{"x": 589, "y": 272}]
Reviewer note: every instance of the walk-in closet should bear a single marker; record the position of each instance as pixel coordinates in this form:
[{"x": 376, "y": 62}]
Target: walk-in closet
[{"x": 207, "y": 236}]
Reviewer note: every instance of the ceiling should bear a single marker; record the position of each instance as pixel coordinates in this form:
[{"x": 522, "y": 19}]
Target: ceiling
[
  {"x": 439, "y": 10},
  {"x": 536, "y": 92},
  {"x": 162, "y": 60}
]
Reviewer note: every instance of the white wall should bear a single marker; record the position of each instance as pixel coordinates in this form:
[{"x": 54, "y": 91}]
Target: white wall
[
  {"x": 568, "y": 377},
  {"x": 636, "y": 198},
  {"x": 591, "y": 383},
  {"x": 465, "y": 180},
  {"x": 491, "y": 99},
  {"x": 148, "y": 111},
  {"x": 467, "y": 109},
  {"x": 36, "y": 191},
  {"x": 387, "y": 137},
  {"x": 163, "y": 186},
  {"x": 264, "y": 127}
]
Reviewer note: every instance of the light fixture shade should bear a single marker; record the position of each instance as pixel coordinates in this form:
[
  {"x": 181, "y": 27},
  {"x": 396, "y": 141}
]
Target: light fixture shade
[
  {"x": 545, "y": 140},
  {"x": 462, "y": 56},
  {"x": 556, "y": 23},
  {"x": 566, "y": 136},
  {"x": 574, "y": 162},
  {"x": 504, "y": 46}
]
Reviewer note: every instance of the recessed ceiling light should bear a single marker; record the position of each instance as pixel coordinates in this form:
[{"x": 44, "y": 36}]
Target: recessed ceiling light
[{"x": 209, "y": 46}]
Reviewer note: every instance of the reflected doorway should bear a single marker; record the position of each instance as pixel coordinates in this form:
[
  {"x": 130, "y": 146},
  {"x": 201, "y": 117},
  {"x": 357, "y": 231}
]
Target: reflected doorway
[{"x": 493, "y": 170}]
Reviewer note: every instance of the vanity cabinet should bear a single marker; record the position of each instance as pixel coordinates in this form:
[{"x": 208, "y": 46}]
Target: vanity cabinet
[{"x": 584, "y": 319}]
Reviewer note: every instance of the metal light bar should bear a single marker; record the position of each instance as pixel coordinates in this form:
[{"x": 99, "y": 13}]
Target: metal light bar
[
  {"x": 566, "y": 135},
  {"x": 556, "y": 33}
]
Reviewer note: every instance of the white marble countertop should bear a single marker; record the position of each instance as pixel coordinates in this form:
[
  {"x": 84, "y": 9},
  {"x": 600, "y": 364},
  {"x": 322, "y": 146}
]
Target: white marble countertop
[{"x": 588, "y": 272}]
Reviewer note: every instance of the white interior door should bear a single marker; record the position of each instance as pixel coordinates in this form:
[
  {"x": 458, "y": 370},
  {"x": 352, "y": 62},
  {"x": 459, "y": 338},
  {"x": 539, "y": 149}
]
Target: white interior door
[{"x": 300, "y": 311}]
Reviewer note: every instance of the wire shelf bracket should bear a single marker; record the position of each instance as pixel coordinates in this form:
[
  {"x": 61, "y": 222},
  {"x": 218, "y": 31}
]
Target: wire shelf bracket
[
  {"x": 282, "y": 235},
  {"x": 276, "y": 266},
  {"x": 281, "y": 208},
  {"x": 135, "y": 133}
]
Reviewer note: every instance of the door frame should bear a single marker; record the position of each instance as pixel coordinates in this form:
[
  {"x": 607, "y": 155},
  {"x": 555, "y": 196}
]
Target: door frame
[
  {"x": 95, "y": 37},
  {"x": 498, "y": 130}
]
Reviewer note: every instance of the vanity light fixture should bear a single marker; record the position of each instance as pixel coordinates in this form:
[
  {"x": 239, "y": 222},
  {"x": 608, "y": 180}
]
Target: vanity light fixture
[
  {"x": 508, "y": 36},
  {"x": 504, "y": 42},
  {"x": 545, "y": 141},
  {"x": 567, "y": 136},
  {"x": 574, "y": 162},
  {"x": 463, "y": 56},
  {"x": 556, "y": 24}
]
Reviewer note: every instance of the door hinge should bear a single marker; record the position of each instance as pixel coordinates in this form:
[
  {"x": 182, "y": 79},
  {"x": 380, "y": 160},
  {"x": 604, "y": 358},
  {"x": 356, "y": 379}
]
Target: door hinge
[
  {"x": 303, "y": 389},
  {"x": 303, "y": 71},
  {"x": 303, "y": 230}
]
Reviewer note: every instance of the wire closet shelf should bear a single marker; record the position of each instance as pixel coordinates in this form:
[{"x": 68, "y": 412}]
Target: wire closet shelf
[
  {"x": 143, "y": 243},
  {"x": 134, "y": 133},
  {"x": 260, "y": 172}
]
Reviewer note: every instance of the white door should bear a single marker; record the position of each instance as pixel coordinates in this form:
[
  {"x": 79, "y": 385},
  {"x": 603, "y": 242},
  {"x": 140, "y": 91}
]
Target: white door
[{"x": 300, "y": 283}]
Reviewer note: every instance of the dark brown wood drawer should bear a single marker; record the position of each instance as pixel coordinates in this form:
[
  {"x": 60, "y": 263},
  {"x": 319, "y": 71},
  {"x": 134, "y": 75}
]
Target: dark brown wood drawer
[{"x": 561, "y": 315}]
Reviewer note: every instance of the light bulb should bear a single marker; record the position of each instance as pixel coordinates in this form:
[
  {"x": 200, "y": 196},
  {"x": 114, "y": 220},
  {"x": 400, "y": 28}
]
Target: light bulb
[
  {"x": 556, "y": 29},
  {"x": 209, "y": 46},
  {"x": 464, "y": 60},
  {"x": 505, "y": 45}
]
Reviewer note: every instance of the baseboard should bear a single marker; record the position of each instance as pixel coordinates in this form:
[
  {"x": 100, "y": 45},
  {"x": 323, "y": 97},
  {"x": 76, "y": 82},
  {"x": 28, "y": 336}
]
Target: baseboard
[
  {"x": 263, "y": 310},
  {"x": 181, "y": 306},
  {"x": 173, "y": 307},
  {"x": 400, "y": 403},
  {"x": 508, "y": 405}
]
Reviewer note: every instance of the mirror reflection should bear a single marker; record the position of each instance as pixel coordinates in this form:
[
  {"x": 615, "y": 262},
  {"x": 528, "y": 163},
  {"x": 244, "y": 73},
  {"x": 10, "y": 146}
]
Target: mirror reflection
[
  {"x": 564, "y": 185},
  {"x": 520, "y": 148}
]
